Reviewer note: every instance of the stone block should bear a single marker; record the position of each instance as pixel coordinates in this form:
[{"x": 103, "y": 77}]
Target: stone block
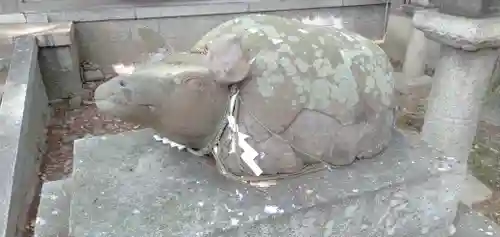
[
  {"x": 469, "y": 223},
  {"x": 36, "y": 17},
  {"x": 12, "y": 18},
  {"x": 412, "y": 94},
  {"x": 190, "y": 10},
  {"x": 60, "y": 68},
  {"x": 491, "y": 109},
  {"x": 24, "y": 114},
  {"x": 47, "y": 34},
  {"x": 53, "y": 211},
  {"x": 455, "y": 31},
  {"x": 473, "y": 191},
  {"x": 98, "y": 14},
  {"x": 362, "y": 2},
  {"x": 5, "y": 55},
  {"x": 259, "y": 6},
  {"x": 130, "y": 185},
  {"x": 111, "y": 42},
  {"x": 93, "y": 75},
  {"x": 467, "y": 8}
]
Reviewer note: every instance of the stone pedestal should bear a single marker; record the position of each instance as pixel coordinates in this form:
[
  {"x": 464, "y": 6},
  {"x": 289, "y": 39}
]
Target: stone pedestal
[
  {"x": 461, "y": 80},
  {"x": 130, "y": 185}
]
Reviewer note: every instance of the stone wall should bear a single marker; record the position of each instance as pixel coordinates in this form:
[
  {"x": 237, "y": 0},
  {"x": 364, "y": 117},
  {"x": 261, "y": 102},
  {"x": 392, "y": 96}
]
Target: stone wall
[
  {"x": 109, "y": 42},
  {"x": 24, "y": 113}
]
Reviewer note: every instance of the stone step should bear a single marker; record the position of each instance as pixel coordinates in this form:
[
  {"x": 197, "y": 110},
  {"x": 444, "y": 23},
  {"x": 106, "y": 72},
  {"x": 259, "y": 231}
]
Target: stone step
[
  {"x": 53, "y": 212},
  {"x": 130, "y": 185}
]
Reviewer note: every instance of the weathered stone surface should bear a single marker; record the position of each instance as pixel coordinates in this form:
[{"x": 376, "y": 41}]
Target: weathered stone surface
[
  {"x": 469, "y": 223},
  {"x": 60, "y": 68},
  {"x": 130, "y": 185},
  {"x": 491, "y": 110},
  {"x": 467, "y": 8},
  {"x": 459, "y": 32},
  {"x": 412, "y": 93},
  {"x": 99, "y": 10},
  {"x": 23, "y": 116},
  {"x": 452, "y": 114},
  {"x": 473, "y": 191},
  {"x": 59, "y": 60},
  {"x": 110, "y": 42},
  {"x": 309, "y": 84},
  {"x": 93, "y": 75},
  {"x": 53, "y": 212},
  {"x": 47, "y": 34},
  {"x": 12, "y": 18},
  {"x": 5, "y": 55},
  {"x": 35, "y": 17}
]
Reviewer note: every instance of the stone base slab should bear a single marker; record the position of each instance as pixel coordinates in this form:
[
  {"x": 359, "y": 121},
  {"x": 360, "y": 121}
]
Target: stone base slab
[{"x": 130, "y": 185}]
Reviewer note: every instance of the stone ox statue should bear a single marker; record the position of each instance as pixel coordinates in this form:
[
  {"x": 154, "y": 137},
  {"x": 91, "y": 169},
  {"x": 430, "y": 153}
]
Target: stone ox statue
[{"x": 269, "y": 97}]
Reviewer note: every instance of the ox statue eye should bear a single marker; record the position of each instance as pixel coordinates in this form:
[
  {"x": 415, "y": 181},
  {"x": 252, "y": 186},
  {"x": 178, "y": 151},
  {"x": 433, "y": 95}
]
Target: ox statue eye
[{"x": 122, "y": 83}]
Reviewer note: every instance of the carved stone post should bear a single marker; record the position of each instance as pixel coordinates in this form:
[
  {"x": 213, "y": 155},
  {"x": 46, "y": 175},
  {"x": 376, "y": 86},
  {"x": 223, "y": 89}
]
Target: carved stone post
[
  {"x": 416, "y": 51},
  {"x": 462, "y": 76}
]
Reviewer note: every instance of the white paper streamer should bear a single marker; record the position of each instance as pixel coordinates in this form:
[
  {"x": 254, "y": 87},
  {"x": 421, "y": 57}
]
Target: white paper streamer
[{"x": 248, "y": 155}]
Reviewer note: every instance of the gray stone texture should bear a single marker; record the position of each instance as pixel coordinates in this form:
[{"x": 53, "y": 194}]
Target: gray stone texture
[
  {"x": 12, "y": 18},
  {"x": 130, "y": 185},
  {"x": 100, "y": 10},
  {"x": 8, "y": 6},
  {"x": 467, "y": 8},
  {"x": 469, "y": 223},
  {"x": 58, "y": 56},
  {"x": 419, "y": 53},
  {"x": 61, "y": 72},
  {"x": 47, "y": 34},
  {"x": 412, "y": 94},
  {"x": 459, "y": 32},
  {"x": 5, "y": 55},
  {"x": 36, "y": 18},
  {"x": 111, "y": 42},
  {"x": 53, "y": 212},
  {"x": 24, "y": 114},
  {"x": 460, "y": 83}
]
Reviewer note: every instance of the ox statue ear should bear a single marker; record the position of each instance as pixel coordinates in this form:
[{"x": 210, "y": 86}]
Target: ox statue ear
[{"x": 227, "y": 58}]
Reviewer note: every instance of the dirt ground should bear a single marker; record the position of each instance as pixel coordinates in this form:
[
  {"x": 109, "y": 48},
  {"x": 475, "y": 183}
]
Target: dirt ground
[{"x": 67, "y": 125}]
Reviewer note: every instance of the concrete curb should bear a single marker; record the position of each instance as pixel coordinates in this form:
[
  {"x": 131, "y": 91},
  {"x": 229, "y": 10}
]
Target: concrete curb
[{"x": 24, "y": 114}]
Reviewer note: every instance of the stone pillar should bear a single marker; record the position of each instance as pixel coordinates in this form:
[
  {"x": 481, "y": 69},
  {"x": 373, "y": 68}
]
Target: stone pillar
[
  {"x": 417, "y": 48},
  {"x": 461, "y": 80},
  {"x": 416, "y": 55}
]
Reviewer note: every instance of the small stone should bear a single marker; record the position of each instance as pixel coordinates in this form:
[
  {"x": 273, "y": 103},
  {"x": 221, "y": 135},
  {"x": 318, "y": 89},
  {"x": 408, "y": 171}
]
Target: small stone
[
  {"x": 69, "y": 138},
  {"x": 87, "y": 102},
  {"x": 75, "y": 102},
  {"x": 93, "y": 75},
  {"x": 108, "y": 76}
]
